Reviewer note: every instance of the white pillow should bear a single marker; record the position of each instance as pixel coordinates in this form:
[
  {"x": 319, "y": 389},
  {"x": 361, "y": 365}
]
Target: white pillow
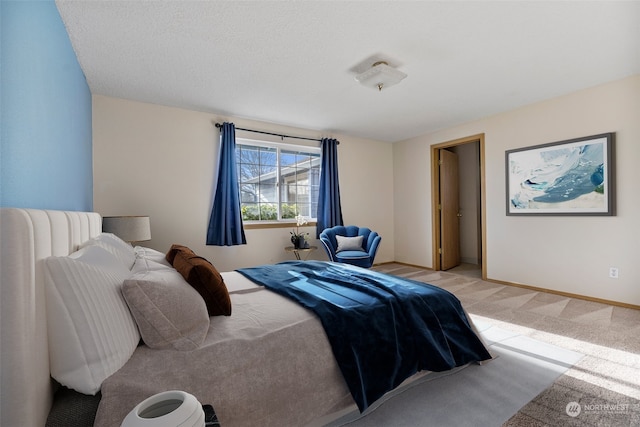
[
  {"x": 151, "y": 255},
  {"x": 91, "y": 330},
  {"x": 144, "y": 264},
  {"x": 122, "y": 250},
  {"x": 349, "y": 243}
]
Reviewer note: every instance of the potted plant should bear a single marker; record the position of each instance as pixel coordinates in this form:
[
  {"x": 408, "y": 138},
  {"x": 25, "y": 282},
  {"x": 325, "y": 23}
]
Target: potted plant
[{"x": 299, "y": 239}]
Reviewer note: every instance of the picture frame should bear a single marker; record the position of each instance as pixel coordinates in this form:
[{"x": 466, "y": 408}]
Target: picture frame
[{"x": 571, "y": 177}]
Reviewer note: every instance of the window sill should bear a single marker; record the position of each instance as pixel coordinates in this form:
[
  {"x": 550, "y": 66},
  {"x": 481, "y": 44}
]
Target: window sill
[{"x": 255, "y": 225}]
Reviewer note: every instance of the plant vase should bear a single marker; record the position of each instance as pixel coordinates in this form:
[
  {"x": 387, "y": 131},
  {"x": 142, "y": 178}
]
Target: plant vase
[{"x": 298, "y": 242}]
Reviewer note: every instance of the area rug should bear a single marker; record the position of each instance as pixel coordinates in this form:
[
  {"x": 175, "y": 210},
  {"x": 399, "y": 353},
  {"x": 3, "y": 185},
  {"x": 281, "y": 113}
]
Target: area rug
[
  {"x": 571, "y": 402},
  {"x": 473, "y": 395}
]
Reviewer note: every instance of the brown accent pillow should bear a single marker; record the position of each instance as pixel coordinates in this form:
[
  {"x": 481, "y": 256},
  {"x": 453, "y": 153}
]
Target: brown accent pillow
[
  {"x": 175, "y": 248},
  {"x": 205, "y": 279}
]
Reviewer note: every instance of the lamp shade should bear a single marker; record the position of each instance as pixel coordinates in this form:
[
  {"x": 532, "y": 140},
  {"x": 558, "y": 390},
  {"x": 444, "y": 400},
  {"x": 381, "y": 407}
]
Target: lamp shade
[
  {"x": 128, "y": 228},
  {"x": 380, "y": 75}
]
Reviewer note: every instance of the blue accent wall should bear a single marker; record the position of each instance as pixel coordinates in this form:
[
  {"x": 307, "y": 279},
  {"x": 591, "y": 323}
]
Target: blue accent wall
[{"x": 46, "y": 135}]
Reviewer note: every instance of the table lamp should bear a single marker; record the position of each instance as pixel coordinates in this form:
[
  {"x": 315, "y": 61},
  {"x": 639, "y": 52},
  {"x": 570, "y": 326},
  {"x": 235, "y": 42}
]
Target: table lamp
[{"x": 131, "y": 229}]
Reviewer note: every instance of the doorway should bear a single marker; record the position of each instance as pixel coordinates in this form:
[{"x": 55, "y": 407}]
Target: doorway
[{"x": 469, "y": 213}]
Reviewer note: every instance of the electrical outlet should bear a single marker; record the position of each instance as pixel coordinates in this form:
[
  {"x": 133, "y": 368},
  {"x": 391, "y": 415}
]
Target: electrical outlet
[{"x": 613, "y": 272}]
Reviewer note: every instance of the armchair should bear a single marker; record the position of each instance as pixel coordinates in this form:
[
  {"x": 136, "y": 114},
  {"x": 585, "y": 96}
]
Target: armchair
[{"x": 351, "y": 244}]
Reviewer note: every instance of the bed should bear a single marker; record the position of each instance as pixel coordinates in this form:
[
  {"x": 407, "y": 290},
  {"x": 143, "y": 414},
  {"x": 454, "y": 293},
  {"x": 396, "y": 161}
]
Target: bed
[{"x": 258, "y": 357}]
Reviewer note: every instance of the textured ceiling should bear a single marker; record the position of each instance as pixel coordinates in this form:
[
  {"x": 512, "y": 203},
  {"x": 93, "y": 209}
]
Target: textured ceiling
[{"x": 291, "y": 62}]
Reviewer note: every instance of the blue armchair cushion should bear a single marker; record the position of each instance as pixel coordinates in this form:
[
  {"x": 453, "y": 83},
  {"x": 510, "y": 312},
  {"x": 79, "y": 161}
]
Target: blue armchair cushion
[
  {"x": 349, "y": 243},
  {"x": 359, "y": 258}
]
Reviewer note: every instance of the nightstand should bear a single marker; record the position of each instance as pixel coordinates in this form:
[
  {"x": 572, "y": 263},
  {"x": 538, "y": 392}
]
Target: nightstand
[{"x": 304, "y": 251}]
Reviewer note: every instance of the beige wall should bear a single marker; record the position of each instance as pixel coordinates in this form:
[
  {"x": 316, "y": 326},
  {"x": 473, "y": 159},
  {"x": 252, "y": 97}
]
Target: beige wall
[
  {"x": 568, "y": 254},
  {"x": 160, "y": 161}
]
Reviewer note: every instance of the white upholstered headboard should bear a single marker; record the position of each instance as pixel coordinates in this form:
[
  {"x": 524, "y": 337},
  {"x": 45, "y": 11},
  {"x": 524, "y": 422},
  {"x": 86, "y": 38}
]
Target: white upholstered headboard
[{"x": 27, "y": 237}]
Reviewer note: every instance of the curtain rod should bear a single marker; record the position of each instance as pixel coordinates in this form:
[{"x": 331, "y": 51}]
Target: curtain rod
[{"x": 218, "y": 125}]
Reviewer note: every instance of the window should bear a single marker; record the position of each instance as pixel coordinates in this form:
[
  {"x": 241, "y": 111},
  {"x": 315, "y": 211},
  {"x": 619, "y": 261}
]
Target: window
[{"x": 277, "y": 181}]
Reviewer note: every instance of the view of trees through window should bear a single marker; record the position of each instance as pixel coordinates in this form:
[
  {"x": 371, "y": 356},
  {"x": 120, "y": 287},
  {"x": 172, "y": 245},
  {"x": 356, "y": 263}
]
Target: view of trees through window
[{"x": 277, "y": 183}]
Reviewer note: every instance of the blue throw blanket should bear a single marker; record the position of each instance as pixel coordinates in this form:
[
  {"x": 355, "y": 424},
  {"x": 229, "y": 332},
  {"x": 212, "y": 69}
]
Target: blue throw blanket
[{"x": 382, "y": 328}]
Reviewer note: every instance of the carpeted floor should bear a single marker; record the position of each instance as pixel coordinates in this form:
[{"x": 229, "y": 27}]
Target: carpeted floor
[{"x": 602, "y": 389}]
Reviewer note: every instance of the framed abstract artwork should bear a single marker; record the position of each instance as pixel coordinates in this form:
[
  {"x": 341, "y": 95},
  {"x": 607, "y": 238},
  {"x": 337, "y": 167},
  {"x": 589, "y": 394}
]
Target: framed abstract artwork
[{"x": 572, "y": 177}]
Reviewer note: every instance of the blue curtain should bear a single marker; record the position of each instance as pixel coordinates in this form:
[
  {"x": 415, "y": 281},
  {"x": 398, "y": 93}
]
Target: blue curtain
[
  {"x": 329, "y": 208},
  {"x": 225, "y": 223}
]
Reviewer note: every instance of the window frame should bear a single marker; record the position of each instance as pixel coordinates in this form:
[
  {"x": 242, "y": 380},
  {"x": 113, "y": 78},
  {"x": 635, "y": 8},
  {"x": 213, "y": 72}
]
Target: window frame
[{"x": 279, "y": 147}]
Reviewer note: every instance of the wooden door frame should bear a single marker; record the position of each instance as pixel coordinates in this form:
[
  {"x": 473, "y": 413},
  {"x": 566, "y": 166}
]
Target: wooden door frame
[{"x": 435, "y": 198}]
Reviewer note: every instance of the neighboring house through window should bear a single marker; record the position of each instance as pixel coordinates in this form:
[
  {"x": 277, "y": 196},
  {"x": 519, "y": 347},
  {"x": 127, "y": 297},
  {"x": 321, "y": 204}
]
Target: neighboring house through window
[{"x": 277, "y": 181}]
